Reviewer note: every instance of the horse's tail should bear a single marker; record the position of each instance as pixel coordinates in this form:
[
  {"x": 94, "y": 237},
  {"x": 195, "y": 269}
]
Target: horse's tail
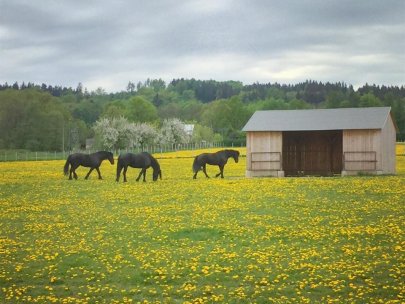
[
  {"x": 66, "y": 167},
  {"x": 196, "y": 165}
]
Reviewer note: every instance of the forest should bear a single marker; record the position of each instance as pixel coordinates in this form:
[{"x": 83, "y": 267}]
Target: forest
[{"x": 54, "y": 118}]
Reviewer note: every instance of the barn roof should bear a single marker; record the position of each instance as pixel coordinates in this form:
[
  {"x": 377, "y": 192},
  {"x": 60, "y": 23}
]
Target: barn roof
[{"x": 319, "y": 119}]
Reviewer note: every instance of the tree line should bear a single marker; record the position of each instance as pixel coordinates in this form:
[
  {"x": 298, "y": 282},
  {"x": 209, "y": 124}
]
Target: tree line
[{"x": 46, "y": 117}]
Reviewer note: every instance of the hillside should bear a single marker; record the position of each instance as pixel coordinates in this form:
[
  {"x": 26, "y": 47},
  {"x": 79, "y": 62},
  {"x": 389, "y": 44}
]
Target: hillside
[{"x": 36, "y": 117}]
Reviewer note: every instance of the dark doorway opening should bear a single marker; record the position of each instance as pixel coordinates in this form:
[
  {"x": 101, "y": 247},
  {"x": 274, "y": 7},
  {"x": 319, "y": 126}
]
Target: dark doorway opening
[{"x": 312, "y": 152}]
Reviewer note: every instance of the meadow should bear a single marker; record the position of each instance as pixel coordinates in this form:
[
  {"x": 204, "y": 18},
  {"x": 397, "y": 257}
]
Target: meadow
[{"x": 179, "y": 240}]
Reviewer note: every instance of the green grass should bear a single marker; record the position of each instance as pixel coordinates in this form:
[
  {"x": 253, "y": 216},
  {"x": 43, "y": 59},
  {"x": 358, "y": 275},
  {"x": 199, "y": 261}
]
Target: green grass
[{"x": 180, "y": 240}]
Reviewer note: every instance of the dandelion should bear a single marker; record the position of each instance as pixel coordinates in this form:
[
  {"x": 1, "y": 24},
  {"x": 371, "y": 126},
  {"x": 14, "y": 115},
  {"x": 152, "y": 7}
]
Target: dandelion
[{"x": 303, "y": 240}]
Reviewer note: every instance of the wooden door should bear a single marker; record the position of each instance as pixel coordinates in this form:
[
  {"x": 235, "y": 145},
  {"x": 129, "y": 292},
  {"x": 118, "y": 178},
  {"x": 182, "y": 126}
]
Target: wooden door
[{"x": 312, "y": 153}]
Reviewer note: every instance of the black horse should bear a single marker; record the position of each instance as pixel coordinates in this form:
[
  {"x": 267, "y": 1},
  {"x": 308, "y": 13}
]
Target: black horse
[
  {"x": 86, "y": 160},
  {"x": 141, "y": 160},
  {"x": 219, "y": 158}
]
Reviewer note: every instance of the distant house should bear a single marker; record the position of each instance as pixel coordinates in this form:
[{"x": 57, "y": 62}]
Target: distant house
[{"x": 320, "y": 142}]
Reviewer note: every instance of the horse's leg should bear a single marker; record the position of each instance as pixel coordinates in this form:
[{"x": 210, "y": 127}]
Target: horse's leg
[
  {"x": 119, "y": 169},
  {"x": 88, "y": 174},
  {"x": 221, "y": 172},
  {"x": 195, "y": 174},
  {"x": 74, "y": 171},
  {"x": 99, "y": 174},
  {"x": 70, "y": 172},
  {"x": 144, "y": 174},
  {"x": 205, "y": 171},
  {"x": 139, "y": 176},
  {"x": 125, "y": 173}
]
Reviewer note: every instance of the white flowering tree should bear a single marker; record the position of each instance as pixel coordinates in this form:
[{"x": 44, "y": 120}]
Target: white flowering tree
[
  {"x": 173, "y": 132},
  {"x": 106, "y": 134},
  {"x": 142, "y": 134},
  {"x": 148, "y": 134},
  {"x": 112, "y": 133},
  {"x": 119, "y": 133}
]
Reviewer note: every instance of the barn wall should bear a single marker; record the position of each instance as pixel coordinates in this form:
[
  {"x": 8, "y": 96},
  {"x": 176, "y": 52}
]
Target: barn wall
[
  {"x": 388, "y": 141},
  {"x": 362, "y": 151},
  {"x": 263, "y": 154}
]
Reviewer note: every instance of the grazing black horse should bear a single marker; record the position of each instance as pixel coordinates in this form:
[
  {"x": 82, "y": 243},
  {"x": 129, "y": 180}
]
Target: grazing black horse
[
  {"x": 219, "y": 158},
  {"x": 86, "y": 160},
  {"x": 141, "y": 160}
]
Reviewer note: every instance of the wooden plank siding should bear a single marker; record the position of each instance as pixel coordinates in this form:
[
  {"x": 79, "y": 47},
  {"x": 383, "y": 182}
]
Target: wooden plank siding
[
  {"x": 388, "y": 141},
  {"x": 370, "y": 151},
  {"x": 263, "y": 154},
  {"x": 361, "y": 151}
]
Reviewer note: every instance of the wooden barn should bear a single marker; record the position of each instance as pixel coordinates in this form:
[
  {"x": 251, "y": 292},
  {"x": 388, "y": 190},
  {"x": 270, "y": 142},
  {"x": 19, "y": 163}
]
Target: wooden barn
[{"x": 320, "y": 142}]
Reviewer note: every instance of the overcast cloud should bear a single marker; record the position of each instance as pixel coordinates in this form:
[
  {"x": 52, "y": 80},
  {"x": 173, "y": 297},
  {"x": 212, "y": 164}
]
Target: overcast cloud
[{"x": 108, "y": 43}]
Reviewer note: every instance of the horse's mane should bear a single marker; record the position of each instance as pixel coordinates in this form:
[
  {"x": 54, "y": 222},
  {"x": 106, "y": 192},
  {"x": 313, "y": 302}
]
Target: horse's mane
[
  {"x": 231, "y": 152},
  {"x": 154, "y": 162},
  {"x": 103, "y": 152}
]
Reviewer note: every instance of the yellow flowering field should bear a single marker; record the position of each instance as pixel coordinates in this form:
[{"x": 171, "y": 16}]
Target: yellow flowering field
[
  {"x": 179, "y": 240},
  {"x": 400, "y": 149}
]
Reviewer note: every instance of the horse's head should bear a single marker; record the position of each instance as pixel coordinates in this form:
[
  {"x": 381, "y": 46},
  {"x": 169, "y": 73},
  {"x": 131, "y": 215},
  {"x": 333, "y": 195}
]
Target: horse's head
[
  {"x": 236, "y": 156},
  {"x": 156, "y": 168},
  {"x": 111, "y": 158},
  {"x": 157, "y": 173}
]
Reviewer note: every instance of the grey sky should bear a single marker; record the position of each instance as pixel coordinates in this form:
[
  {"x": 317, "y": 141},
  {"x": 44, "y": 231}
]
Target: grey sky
[{"x": 108, "y": 43}]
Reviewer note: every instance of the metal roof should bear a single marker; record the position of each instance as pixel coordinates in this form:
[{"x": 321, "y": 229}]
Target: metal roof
[{"x": 319, "y": 119}]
